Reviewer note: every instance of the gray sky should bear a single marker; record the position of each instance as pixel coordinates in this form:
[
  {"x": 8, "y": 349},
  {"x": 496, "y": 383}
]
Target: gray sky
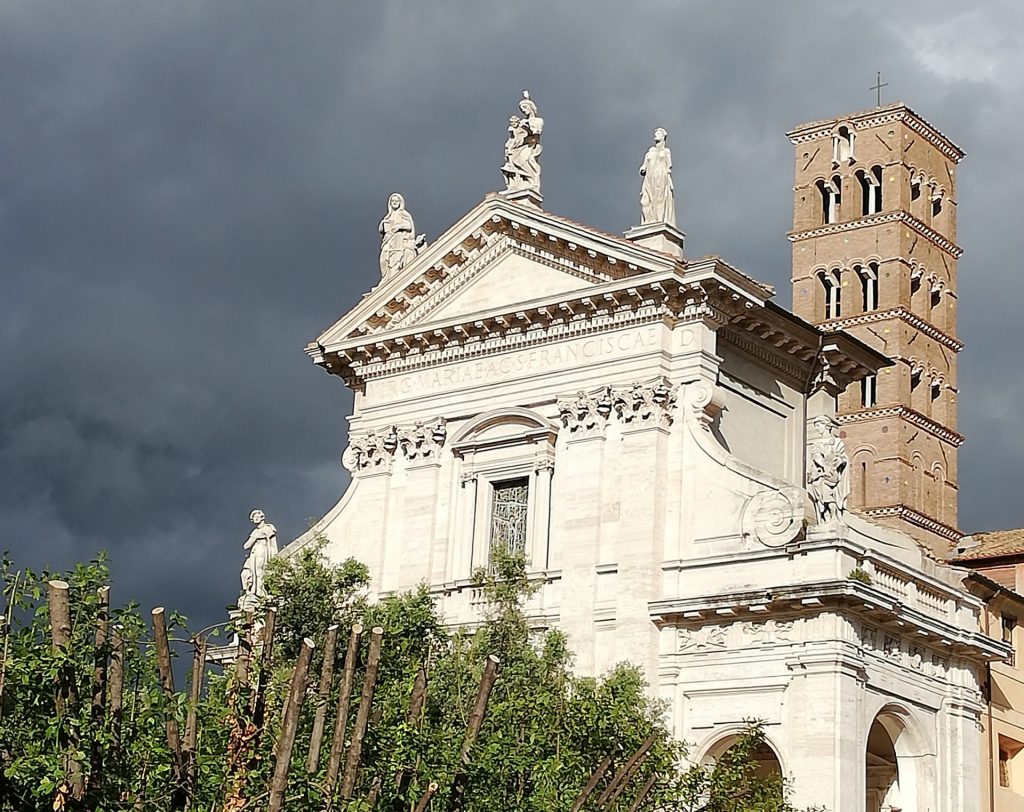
[{"x": 189, "y": 193}]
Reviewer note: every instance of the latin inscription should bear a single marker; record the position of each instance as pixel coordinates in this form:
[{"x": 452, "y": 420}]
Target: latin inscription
[{"x": 513, "y": 364}]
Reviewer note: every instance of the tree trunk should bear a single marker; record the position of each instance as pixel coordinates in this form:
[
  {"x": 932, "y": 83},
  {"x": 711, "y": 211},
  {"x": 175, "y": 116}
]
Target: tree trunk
[
  {"x": 341, "y": 717},
  {"x": 283, "y": 751},
  {"x": 456, "y": 797},
  {"x": 355, "y": 750},
  {"x": 163, "y": 663},
  {"x": 322, "y": 697},
  {"x": 67, "y": 697}
]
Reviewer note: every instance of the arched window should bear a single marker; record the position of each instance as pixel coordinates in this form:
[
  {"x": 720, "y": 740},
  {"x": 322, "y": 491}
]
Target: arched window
[
  {"x": 871, "y": 190},
  {"x": 832, "y": 293},
  {"x": 505, "y": 462},
  {"x": 761, "y": 760},
  {"x": 842, "y": 146},
  {"x": 868, "y": 391},
  {"x": 831, "y": 199},
  {"x": 869, "y": 285}
]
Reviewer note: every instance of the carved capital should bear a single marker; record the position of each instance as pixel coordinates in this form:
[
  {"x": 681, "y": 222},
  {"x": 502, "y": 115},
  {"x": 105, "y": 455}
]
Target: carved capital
[
  {"x": 586, "y": 415},
  {"x": 648, "y": 404},
  {"x": 375, "y": 450},
  {"x": 423, "y": 440}
]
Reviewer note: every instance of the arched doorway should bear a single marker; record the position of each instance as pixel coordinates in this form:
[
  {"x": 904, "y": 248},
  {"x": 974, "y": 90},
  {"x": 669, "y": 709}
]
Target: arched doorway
[{"x": 891, "y": 777}]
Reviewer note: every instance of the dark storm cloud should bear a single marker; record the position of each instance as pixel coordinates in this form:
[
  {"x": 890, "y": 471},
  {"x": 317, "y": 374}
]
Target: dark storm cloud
[{"x": 189, "y": 193}]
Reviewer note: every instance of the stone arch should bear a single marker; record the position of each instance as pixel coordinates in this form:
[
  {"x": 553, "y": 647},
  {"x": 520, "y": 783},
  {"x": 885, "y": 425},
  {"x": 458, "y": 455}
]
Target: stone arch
[
  {"x": 899, "y": 773},
  {"x": 514, "y": 424},
  {"x": 768, "y": 757},
  {"x": 862, "y": 462}
]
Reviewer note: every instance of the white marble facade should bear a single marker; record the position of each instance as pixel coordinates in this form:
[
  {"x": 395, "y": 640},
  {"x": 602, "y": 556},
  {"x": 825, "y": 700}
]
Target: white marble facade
[{"x": 638, "y": 425}]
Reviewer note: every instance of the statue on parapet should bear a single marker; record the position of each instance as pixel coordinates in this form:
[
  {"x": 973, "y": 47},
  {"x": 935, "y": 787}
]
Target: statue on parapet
[
  {"x": 262, "y": 546},
  {"x": 399, "y": 243},
  {"x": 656, "y": 202},
  {"x": 828, "y": 471},
  {"x": 523, "y": 148}
]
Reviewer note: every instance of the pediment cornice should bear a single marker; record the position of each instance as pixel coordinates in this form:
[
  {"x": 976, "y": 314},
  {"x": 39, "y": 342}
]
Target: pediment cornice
[{"x": 493, "y": 228}]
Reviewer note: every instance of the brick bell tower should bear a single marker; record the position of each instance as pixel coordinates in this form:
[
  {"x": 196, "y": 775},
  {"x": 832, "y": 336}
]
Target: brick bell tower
[{"x": 875, "y": 254}]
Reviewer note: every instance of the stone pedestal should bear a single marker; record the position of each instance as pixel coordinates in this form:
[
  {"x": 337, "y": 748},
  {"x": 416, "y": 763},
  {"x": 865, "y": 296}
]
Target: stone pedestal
[
  {"x": 529, "y": 196},
  {"x": 660, "y": 236}
]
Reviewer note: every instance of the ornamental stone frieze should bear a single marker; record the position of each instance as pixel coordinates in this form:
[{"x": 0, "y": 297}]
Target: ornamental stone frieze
[
  {"x": 638, "y": 405},
  {"x": 737, "y": 636},
  {"x": 375, "y": 450}
]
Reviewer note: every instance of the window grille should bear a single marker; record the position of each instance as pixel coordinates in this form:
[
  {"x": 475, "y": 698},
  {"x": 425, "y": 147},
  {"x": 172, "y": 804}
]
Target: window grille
[{"x": 509, "y": 508}]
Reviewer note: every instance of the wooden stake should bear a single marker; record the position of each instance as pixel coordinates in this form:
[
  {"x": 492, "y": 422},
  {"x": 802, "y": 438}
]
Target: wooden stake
[
  {"x": 456, "y": 798},
  {"x": 67, "y": 696},
  {"x": 644, "y": 790},
  {"x": 595, "y": 779},
  {"x": 341, "y": 717},
  {"x": 99, "y": 688},
  {"x": 416, "y": 702},
  {"x": 116, "y": 690},
  {"x": 424, "y": 801},
  {"x": 625, "y": 773},
  {"x": 322, "y": 696},
  {"x": 355, "y": 749},
  {"x": 163, "y": 663},
  {"x": 242, "y": 657},
  {"x": 192, "y": 720},
  {"x": 283, "y": 751},
  {"x": 258, "y": 704}
]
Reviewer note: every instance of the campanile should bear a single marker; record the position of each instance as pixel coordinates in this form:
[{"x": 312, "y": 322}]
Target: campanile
[{"x": 875, "y": 254}]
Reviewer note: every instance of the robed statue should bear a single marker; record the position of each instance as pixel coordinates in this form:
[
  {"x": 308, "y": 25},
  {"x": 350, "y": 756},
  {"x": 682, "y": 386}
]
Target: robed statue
[
  {"x": 523, "y": 148},
  {"x": 828, "y": 471},
  {"x": 399, "y": 244},
  {"x": 262, "y": 546},
  {"x": 656, "y": 202}
]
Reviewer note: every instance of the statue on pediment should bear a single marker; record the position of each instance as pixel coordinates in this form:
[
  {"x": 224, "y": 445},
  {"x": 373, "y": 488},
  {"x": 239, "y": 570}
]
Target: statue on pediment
[
  {"x": 262, "y": 546},
  {"x": 828, "y": 471},
  {"x": 656, "y": 202},
  {"x": 523, "y": 148},
  {"x": 399, "y": 243}
]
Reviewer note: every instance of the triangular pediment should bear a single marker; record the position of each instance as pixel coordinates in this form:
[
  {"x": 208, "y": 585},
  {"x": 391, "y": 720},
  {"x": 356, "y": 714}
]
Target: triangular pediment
[{"x": 499, "y": 255}]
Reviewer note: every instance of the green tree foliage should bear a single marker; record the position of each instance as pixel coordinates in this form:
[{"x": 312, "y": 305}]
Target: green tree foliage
[
  {"x": 310, "y": 595},
  {"x": 545, "y": 731}
]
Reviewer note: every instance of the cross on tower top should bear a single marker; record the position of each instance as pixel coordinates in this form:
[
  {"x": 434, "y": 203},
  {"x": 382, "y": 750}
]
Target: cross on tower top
[{"x": 877, "y": 87}]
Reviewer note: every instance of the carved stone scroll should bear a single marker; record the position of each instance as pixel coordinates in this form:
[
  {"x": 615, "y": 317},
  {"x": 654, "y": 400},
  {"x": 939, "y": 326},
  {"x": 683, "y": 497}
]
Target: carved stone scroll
[{"x": 774, "y": 517}]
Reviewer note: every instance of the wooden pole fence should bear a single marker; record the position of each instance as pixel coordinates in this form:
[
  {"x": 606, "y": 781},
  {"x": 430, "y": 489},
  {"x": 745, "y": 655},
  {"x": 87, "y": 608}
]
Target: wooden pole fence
[
  {"x": 355, "y": 748},
  {"x": 341, "y": 717}
]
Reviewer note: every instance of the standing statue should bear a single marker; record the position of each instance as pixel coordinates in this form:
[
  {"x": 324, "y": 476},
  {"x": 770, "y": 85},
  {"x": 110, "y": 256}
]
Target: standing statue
[
  {"x": 656, "y": 203},
  {"x": 399, "y": 244},
  {"x": 523, "y": 148},
  {"x": 262, "y": 546},
  {"x": 828, "y": 471}
]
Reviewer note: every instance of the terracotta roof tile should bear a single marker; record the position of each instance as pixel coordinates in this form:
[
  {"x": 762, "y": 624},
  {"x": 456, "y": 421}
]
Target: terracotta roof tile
[{"x": 994, "y": 544}]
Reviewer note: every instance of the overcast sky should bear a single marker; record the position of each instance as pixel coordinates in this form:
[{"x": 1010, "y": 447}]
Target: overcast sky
[{"x": 189, "y": 193}]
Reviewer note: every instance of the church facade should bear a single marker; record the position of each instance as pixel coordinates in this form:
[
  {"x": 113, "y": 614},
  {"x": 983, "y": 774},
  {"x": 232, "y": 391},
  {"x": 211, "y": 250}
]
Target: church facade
[{"x": 749, "y": 503}]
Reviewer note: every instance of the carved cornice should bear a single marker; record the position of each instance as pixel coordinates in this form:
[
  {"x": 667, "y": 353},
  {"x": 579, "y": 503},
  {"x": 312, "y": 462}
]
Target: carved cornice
[
  {"x": 640, "y": 301},
  {"x": 901, "y": 314},
  {"x": 910, "y": 415},
  {"x": 375, "y": 450},
  {"x": 915, "y": 518},
  {"x": 878, "y": 117},
  {"x": 908, "y": 219},
  {"x": 779, "y": 356}
]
